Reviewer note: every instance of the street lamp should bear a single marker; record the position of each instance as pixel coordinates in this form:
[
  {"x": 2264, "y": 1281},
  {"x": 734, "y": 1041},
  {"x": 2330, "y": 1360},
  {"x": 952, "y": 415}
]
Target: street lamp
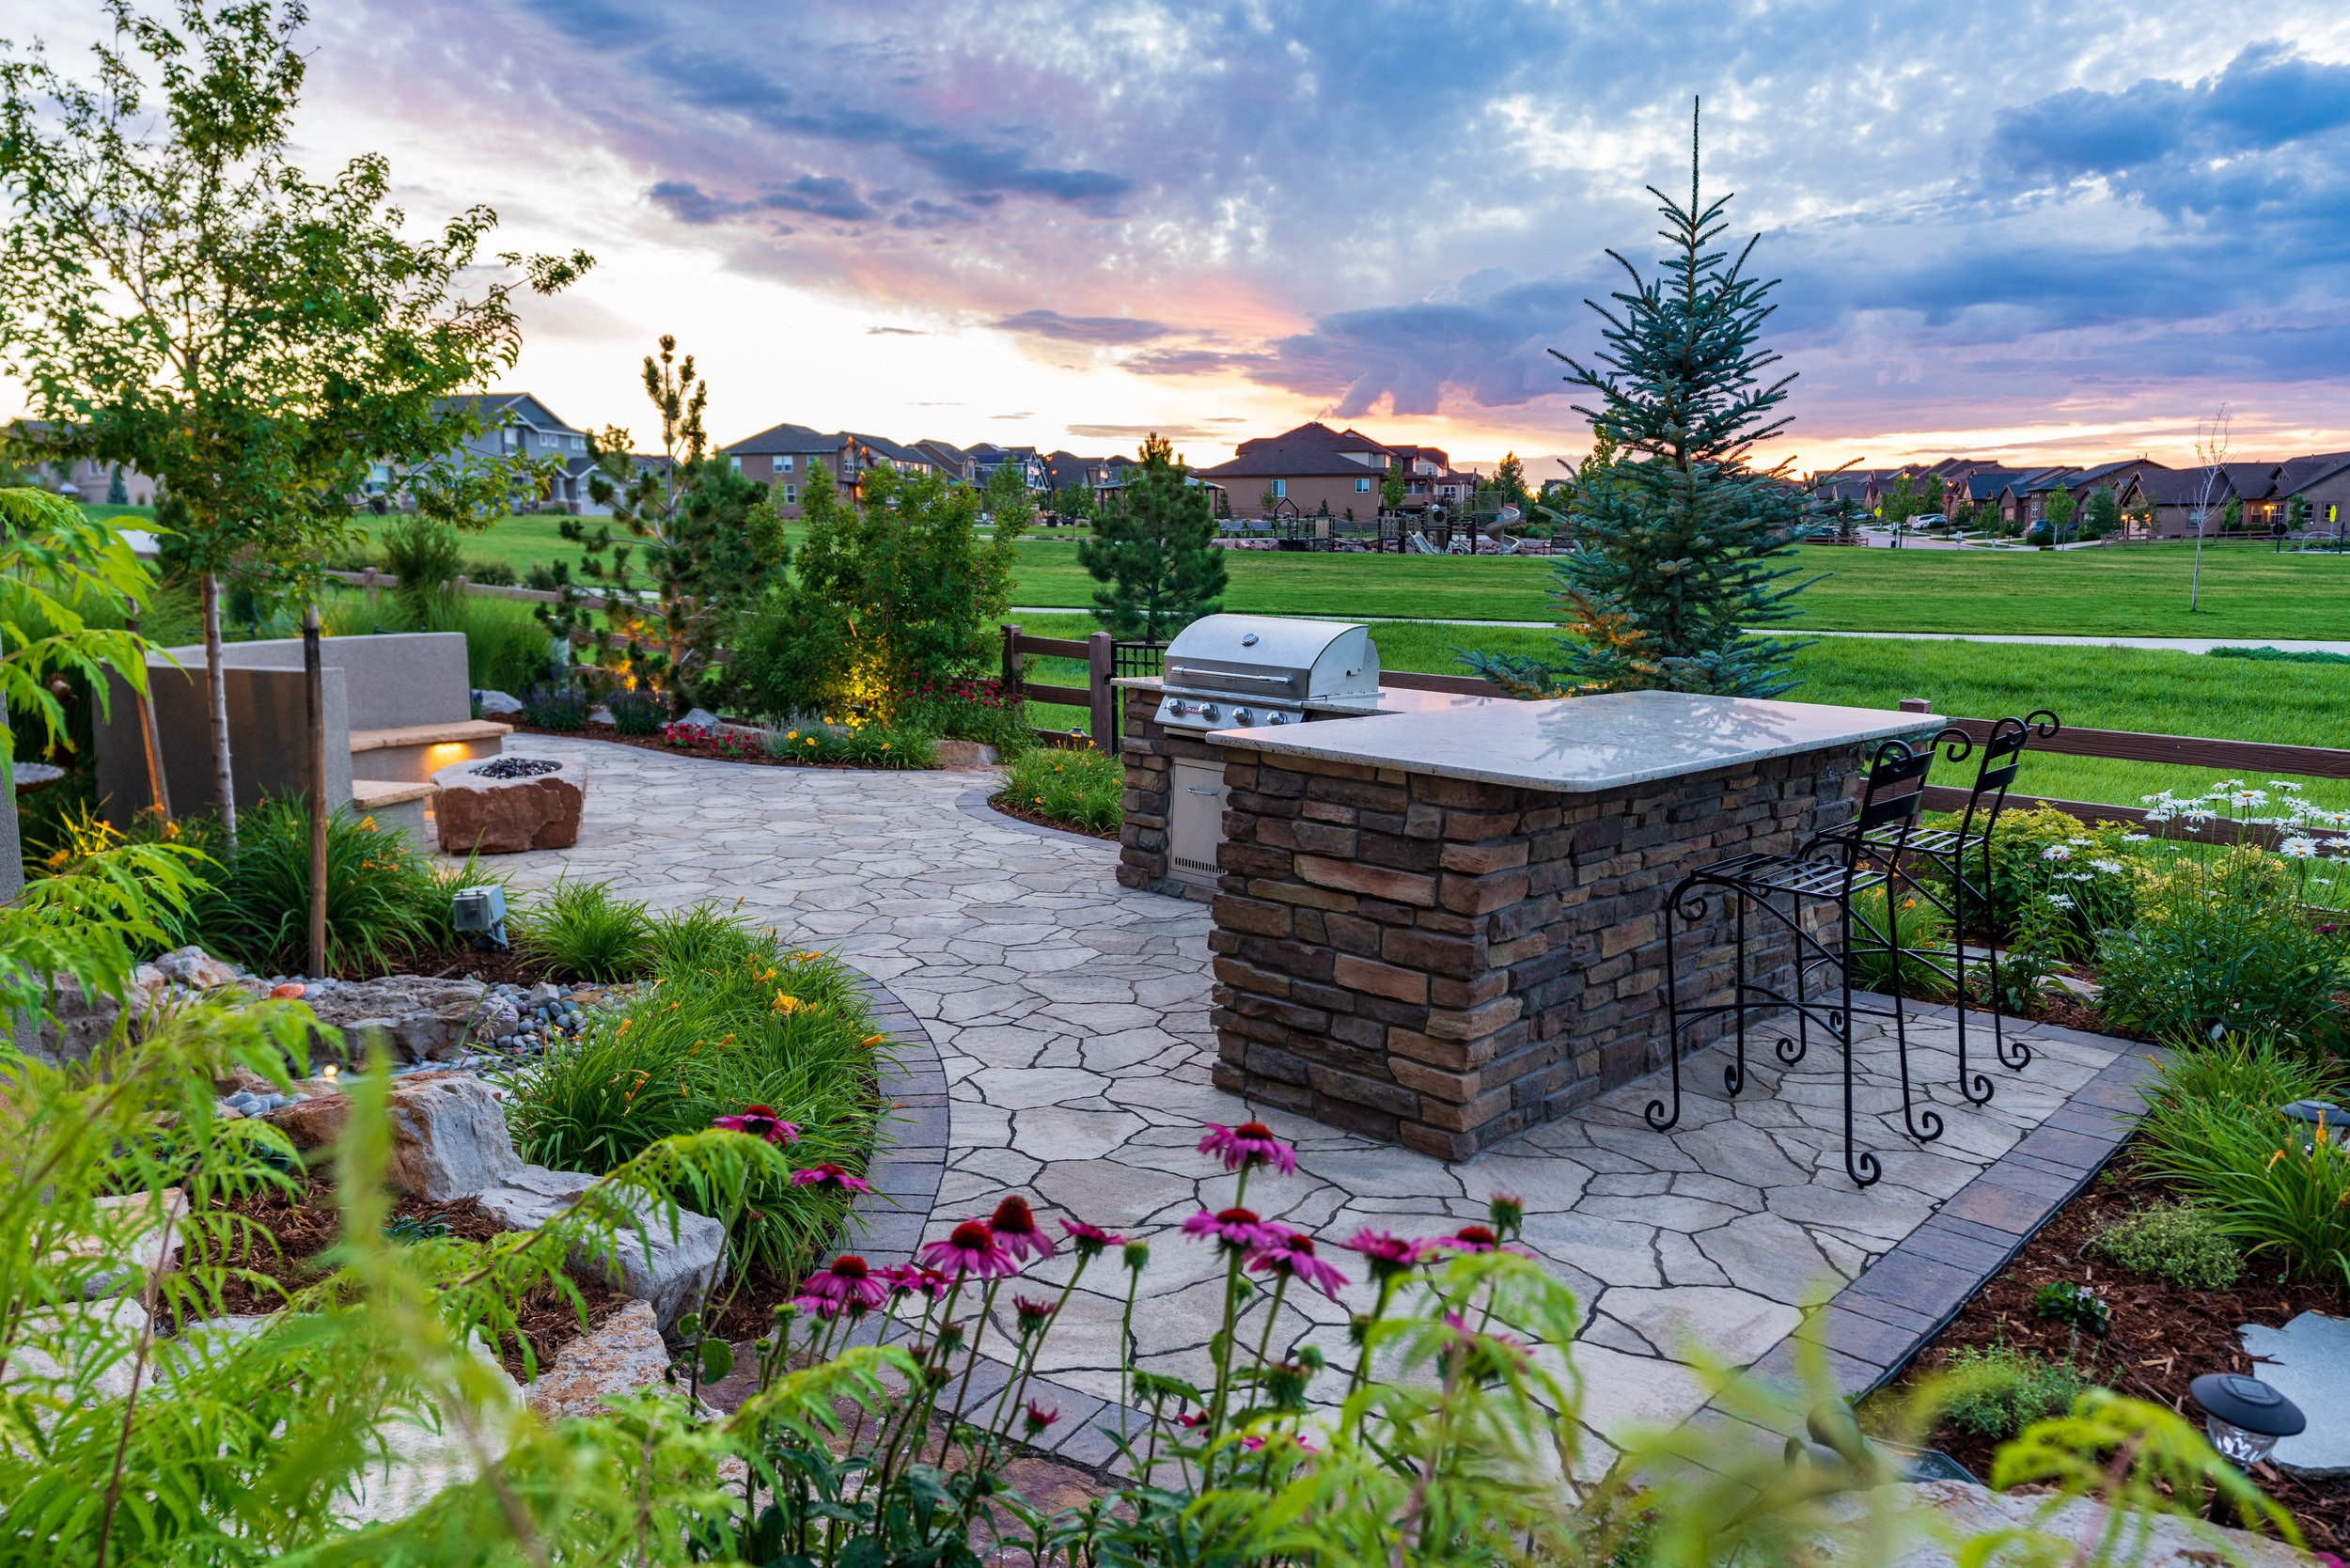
[{"x": 2244, "y": 1416}]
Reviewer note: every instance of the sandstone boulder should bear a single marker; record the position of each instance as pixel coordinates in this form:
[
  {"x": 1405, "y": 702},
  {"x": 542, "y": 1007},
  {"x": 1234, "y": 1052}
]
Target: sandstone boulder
[
  {"x": 504, "y": 805},
  {"x": 497, "y": 704},
  {"x": 620, "y": 1357},
  {"x": 448, "y": 1133},
  {"x": 670, "y": 1273},
  {"x": 196, "y": 969}
]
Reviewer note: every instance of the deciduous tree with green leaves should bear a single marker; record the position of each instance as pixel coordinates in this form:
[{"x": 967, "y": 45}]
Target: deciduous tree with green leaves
[
  {"x": 1679, "y": 550},
  {"x": 178, "y": 297},
  {"x": 2101, "y": 513},
  {"x": 2059, "y": 511},
  {"x": 1154, "y": 551}
]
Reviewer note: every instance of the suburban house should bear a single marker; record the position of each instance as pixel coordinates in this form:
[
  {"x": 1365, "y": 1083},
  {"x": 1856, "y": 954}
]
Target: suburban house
[
  {"x": 2323, "y": 482},
  {"x": 782, "y": 456},
  {"x": 519, "y": 424},
  {"x": 86, "y": 478},
  {"x": 987, "y": 457},
  {"x": 947, "y": 458}
]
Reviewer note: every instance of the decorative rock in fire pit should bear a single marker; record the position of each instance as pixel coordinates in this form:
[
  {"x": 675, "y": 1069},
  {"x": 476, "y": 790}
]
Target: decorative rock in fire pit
[{"x": 510, "y": 804}]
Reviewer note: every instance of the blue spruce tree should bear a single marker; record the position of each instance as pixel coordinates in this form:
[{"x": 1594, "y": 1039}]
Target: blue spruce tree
[{"x": 1680, "y": 542}]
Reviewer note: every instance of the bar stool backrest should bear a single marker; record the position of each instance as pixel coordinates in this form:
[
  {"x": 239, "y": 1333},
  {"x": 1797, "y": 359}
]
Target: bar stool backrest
[
  {"x": 1895, "y": 790},
  {"x": 2002, "y": 755}
]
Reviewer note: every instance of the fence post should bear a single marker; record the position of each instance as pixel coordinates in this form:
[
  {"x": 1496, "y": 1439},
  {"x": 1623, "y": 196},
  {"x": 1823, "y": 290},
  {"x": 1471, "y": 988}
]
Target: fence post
[
  {"x": 1011, "y": 658},
  {"x": 1916, "y": 705},
  {"x": 1101, "y": 666}
]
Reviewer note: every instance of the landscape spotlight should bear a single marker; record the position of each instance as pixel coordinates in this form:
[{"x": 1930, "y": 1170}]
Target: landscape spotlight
[
  {"x": 2320, "y": 1113},
  {"x": 479, "y": 913},
  {"x": 2244, "y": 1416}
]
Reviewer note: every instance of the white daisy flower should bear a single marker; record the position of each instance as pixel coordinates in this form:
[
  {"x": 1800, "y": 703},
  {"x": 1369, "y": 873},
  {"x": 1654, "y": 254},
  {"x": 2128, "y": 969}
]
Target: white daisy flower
[{"x": 2056, "y": 852}]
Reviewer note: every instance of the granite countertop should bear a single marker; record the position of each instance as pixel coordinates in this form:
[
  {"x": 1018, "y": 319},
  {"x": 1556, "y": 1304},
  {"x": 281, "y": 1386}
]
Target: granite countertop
[
  {"x": 1580, "y": 745},
  {"x": 1390, "y": 699}
]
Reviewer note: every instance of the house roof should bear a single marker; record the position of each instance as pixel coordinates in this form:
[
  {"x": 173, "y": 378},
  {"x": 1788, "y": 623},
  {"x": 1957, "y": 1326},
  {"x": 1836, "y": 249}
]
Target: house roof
[
  {"x": 2177, "y": 487},
  {"x": 496, "y": 408},
  {"x": 946, "y": 453},
  {"x": 781, "y": 439},
  {"x": 895, "y": 451},
  {"x": 2250, "y": 479},
  {"x": 2295, "y": 475}
]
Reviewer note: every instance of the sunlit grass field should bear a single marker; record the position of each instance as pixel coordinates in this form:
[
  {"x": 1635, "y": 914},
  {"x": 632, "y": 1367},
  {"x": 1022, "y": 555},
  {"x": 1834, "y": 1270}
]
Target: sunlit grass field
[{"x": 2137, "y": 591}]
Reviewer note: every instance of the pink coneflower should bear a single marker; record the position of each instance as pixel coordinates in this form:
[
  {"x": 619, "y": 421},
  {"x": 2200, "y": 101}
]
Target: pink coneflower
[
  {"x": 1238, "y": 1229},
  {"x": 1247, "y": 1145},
  {"x": 1292, "y": 1255},
  {"x": 1033, "y": 1315},
  {"x": 1197, "y": 1420},
  {"x": 971, "y": 1247},
  {"x": 758, "y": 1121},
  {"x": 1038, "y": 1417},
  {"x": 848, "y": 1281},
  {"x": 1507, "y": 1209},
  {"x": 831, "y": 1178},
  {"x": 1090, "y": 1241},
  {"x": 1386, "y": 1253},
  {"x": 1487, "y": 1346},
  {"x": 820, "y": 1308},
  {"x": 911, "y": 1280},
  {"x": 1016, "y": 1232},
  {"x": 1470, "y": 1238}
]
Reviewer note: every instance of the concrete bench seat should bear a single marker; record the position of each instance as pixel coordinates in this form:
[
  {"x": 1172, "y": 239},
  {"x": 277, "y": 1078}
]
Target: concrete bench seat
[
  {"x": 397, "y": 803},
  {"x": 416, "y": 752},
  {"x": 454, "y": 732}
]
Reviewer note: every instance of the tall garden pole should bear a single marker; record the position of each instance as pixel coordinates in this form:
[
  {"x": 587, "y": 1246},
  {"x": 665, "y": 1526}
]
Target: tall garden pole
[
  {"x": 314, "y": 686},
  {"x": 150, "y": 738}
]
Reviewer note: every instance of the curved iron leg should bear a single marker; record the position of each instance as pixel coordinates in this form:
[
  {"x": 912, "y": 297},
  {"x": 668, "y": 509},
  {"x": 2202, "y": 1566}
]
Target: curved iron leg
[
  {"x": 1656, "y": 1115},
  {"x": 1975, "y": 1086},
  {"x": 1793, "y": 1051},
  {"x": 2000, "y": 1045},
  {"x": 1861, "y": 1165},
  {"x": 1927, "y": 1125},
  {"x": 1734, "y": 1075}
]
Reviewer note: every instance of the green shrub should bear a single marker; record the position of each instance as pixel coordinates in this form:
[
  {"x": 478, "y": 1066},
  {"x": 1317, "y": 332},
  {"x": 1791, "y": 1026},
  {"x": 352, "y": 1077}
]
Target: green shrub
[
  {"x": 382, "y": 897},
  {"x": 494, "y": 573},
  {"x": 637, "y": 713},
  {"x": 2072, "y": 1304},
  {"x": 1997, "y": 1391},
  {"x": 554, "y": 708},
  {"x": 424, "y": 555},
  {"x": 2219, "y": 946},
  {"x": 858, "y": 747},
  {"x": 1918, "y": 925},
  {"x": 727, "y": 1021},
  {"x": 2279, "y": 1190},
  {"x": 581, "y": 929},
  {"x": 969, "y": 708},
  {"x": 506, "y": 647},
  {"x": 2175, "y": 1242},
  {"x": 1083, "y": 788},
  {"x": 2091, "y": 869}
]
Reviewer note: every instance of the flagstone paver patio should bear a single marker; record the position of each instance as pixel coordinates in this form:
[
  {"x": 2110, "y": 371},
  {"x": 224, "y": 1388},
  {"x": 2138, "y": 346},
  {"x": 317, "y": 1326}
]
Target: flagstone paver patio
[{"x": 1070, "y": 1020}]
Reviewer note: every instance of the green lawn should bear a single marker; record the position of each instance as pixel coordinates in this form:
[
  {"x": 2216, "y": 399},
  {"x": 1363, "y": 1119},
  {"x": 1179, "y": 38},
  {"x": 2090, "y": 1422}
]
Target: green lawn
[
  {"x": 2249, "y": 592},
  {"x": 2097, "y": 689}
]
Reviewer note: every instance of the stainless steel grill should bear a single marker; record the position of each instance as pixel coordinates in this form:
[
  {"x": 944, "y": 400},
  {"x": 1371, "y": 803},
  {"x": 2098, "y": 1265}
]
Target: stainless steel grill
[{"x": 1234, "y": 671}]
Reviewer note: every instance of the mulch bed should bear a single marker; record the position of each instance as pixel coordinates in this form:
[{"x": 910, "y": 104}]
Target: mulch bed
[
  {"x": 304, "y": 1223},
  {"x": 2160, "y": 1339},
  {"x": 1002, "y": 801}
]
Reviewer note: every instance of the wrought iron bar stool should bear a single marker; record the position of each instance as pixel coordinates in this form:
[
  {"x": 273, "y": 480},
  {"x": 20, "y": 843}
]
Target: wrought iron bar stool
[
  {"x": 1956, "y": 854},
  {"x": 1827, "y": 870}
]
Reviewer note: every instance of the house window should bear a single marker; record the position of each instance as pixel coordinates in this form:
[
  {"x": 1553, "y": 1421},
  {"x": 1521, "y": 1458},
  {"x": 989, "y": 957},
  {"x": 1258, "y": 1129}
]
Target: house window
[
  {"x": 1362, "y": 487},
  {"x": 735, "y": 463},
  {"x": 783, "y": 465},
  {"x": 509, "y": 437},
  {"x": 1280, "y": 490},
  {"x": 791, "y": 496}
]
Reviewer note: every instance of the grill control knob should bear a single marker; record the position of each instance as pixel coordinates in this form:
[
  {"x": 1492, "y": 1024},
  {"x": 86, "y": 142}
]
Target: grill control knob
[
  {"x": 1276, "y": 718},
  {"x": 1242, "y": 717},
  {"x": 1177, "y": 707},
  {"x": 1208, "y": 709}
]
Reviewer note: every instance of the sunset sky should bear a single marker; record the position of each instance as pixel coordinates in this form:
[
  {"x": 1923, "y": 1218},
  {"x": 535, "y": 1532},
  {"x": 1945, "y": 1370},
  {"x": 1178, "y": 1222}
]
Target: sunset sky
[{"x": 2004, "y": 228}]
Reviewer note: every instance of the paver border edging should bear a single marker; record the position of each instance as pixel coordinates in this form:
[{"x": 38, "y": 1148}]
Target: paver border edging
[
  {"x": 974, "y": 804},
  {"x": 908, "y": 1166},
  {"x": 1874, "y": 1327}
]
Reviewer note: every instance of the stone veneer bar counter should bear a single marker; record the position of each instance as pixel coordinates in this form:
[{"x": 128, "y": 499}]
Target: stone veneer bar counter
[{"x": 1441, "y": 928}]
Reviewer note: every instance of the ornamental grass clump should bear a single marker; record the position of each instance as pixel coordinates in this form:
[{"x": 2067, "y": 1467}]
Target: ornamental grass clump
[
  {"x": 2278, "y": 1189},
  {"x": 727, "y": 1026},
  {"x": 1083, "y": 788},
  {"x": 583, "y": 931}
]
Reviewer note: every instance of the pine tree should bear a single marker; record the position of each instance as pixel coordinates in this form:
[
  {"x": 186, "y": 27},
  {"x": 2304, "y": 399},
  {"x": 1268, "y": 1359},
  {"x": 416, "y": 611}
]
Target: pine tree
[
  {"x": 710, "y": 537},
  {"x": 1155, "y": 550},
  {"x": 1678, "y": 549},
  {"x": 1509, "y": 479}
]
